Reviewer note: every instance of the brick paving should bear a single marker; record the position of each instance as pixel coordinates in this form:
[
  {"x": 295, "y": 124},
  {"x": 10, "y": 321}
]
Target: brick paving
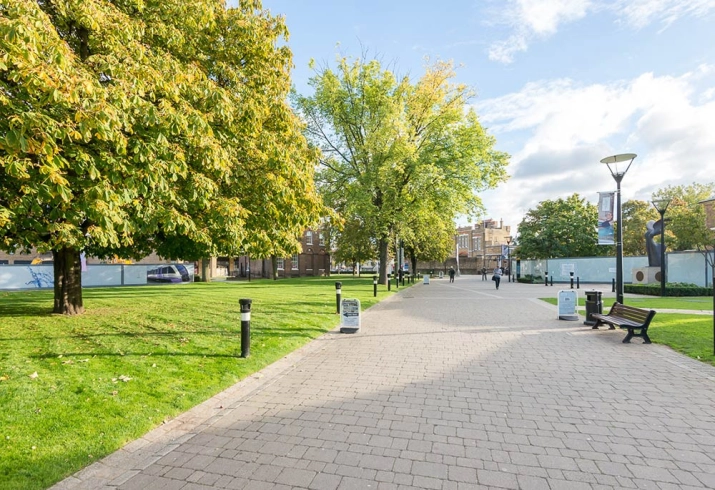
[{"x": 446, "y": 387}]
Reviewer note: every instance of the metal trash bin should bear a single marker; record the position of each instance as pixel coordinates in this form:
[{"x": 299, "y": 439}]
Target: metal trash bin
[{"x": 593, "y": 305}]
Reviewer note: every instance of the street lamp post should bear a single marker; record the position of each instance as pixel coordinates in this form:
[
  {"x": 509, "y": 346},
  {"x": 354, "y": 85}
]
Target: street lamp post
[
  {"x": 662, "y": 205},
  {"x": 618, "y": 174},
  {"x": 508, "y": 256}
]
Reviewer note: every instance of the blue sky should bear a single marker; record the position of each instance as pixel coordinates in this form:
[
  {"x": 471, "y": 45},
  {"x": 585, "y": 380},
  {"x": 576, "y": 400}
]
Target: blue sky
[{"x": 560, "y": 83}]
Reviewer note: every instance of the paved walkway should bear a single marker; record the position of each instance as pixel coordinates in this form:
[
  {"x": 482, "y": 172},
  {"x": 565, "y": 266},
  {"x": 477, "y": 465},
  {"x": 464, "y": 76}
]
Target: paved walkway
[{"x": 446, "y": 387}]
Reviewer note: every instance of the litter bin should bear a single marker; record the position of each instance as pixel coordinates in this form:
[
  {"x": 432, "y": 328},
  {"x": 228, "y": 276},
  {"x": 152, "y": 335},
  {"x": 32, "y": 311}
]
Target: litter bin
[
  {"x": 425, "y": 278},
  {"x": 593, "y": 305}
]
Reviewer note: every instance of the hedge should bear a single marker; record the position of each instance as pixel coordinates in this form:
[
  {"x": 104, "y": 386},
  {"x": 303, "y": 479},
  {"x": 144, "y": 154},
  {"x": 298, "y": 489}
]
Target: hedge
[{"x": 671, "y": 289}]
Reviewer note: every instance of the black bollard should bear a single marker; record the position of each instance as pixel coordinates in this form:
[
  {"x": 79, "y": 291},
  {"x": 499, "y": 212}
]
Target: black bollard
[
  {"x": 577, "y": 284},
  {"x": 546, "y": 281},
  {"x": 552, "y": 280},
  {"x": 397, "y": 281},
  {"x": 572, "y": 283},
  {"x": 374, "y": 285},
  {"x": 245, "y": 327},
  {"x": 389, "y": 283},
  {"x": 338, "y": 293},
  {"x": 613, "y": 286}
]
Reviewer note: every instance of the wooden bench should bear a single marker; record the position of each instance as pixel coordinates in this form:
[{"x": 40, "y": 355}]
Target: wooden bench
[{"x": 627, "y": 317}]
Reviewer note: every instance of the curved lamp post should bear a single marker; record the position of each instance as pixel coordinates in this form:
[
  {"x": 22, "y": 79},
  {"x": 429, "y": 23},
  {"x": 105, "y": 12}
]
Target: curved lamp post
[
  {"x": 613, "y": 163},
  {"x": 662, "y": 205}
]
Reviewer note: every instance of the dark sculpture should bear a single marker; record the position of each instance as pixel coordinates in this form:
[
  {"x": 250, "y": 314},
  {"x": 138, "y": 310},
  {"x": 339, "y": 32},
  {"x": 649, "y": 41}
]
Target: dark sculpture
[{"x": 653, "y": 230}]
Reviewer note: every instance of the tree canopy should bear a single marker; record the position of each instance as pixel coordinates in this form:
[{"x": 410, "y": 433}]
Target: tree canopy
[
  {"x": 636, "y": 214},
  {"x": 388, "y": 145},
  {"x": 560, "y": 228},
  {"x": 146, "y": 125},
  {"x": 685, "y": 217}
]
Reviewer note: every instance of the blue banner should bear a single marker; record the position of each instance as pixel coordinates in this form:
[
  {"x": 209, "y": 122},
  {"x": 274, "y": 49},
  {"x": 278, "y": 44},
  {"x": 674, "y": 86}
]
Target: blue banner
[{"x": 606, "y": 235}]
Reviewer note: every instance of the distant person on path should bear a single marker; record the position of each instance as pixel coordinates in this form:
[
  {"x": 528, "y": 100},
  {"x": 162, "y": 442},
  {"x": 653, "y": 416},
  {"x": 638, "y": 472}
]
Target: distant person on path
[
  {"x": 451, "y": 274},
  {"x": 497, "y": 276},
  {"x": 484, "y": 273}
]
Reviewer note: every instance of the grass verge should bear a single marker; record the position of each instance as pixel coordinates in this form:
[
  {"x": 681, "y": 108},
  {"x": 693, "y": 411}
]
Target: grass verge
[
  {"x": 689, "y": 334},
  {"x": 74, "y": 389}
]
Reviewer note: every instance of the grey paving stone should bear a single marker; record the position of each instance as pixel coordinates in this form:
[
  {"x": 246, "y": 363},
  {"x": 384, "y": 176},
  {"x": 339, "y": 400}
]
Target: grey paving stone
[{"x": 462, "y": 389}]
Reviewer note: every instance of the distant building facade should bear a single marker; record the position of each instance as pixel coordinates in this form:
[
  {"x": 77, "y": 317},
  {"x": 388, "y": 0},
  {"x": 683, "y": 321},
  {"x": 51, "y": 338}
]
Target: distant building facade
[{"x": 478, "y": 246}]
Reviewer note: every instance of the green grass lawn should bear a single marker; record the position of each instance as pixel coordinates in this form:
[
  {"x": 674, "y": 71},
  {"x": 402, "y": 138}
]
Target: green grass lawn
[
  {"x": 703, "y": 303},
  {"x": 688, "y": 334},
  {"x": 74, "y": 389}
]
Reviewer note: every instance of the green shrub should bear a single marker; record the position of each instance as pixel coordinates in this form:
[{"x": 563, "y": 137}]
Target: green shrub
[
  {"x": 671, "y": 289},
  {"x": 530, "y": 279}
]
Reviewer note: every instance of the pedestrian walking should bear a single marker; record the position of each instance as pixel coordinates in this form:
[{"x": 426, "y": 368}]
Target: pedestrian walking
[
  {"x": 497, "y": 276},
  {"x": 484, "y": 273},
  {"x": 451, "y": 274}
]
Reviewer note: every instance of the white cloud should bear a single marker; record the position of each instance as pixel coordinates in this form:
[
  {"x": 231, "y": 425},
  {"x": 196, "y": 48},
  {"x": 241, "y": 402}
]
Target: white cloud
[
  {"x": 563, "y": 129},
  {"x": 640, "y": 13},
  {"x": 533, "y": 20}
]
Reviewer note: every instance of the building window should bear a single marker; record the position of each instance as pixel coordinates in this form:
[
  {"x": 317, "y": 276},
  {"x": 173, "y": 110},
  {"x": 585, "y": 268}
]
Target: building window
[
  {"x": 281, "y": 264},
  {"x": 478, "y": 243},
  {"x": 294, "y": 262},
  {"x": 308, "y": 237},
  {"x": 321, "y": 239}
]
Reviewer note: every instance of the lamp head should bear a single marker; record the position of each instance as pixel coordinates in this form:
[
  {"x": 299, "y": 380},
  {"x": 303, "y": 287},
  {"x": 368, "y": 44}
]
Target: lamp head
[
  {"x": 661, "y": 205},
  {"x": 613, "y": 164}
]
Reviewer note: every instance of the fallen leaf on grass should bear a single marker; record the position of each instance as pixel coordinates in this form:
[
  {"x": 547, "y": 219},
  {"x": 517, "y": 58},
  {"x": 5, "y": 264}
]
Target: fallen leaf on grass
[
  {"x": 34, "y": 375},
  {"x": 124, "y": 378},
  {"x": 69, "y": 361}
]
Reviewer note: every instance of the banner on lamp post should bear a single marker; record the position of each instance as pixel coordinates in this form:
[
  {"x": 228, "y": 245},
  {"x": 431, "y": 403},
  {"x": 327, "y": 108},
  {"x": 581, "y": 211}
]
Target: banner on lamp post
[{"x": 606, "y": 235}]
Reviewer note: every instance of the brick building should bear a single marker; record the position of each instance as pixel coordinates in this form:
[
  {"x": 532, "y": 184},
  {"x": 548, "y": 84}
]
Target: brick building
[{"x": 480, "y": 245}]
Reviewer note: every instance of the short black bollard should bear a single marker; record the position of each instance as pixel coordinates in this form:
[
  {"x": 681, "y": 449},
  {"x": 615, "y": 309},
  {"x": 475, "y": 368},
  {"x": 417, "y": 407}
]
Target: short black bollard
[
  {"x": 552, "y": 280},
  {"x": 374, "y": 285},
  {"x": 572, "y": 283},
  {"x": 613, "y": 286},
  {"x": 245, "y": 327},
  {"x": 389, "y": 282},
  {"x": 577, "y": 284},
  {"x": 546, "y": 281},
  {"x": 338, "y": 293},
  {"x": 397, "y": 281}
]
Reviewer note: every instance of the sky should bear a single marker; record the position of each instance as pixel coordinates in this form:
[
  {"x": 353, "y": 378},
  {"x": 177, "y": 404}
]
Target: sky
[{"x": 560, "y": 84}]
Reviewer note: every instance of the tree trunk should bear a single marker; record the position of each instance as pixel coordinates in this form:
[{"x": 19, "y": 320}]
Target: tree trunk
[
  {"x": 274, "y": 267},
  {"x": 383, "y": 244},
  {"x": 205, "y": 269},
  {"x": 68, "y": 282},
  {"x": 413, "y": 259}
]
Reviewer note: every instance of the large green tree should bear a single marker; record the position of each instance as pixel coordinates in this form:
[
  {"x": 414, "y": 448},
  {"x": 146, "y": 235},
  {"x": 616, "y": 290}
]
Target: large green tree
[
  {"x": 685, "y": 217},
  {"x": 560, "y": 228},
  {"x": 636, "y": 214},
  {"x": 144, "y": 125},
  {"x": 388, "y": 143}
]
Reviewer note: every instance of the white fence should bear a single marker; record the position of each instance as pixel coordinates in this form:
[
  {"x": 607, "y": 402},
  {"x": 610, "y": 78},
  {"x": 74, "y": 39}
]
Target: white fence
[
  {"x": 42, "y": 276},
  {"x": 684, "y": 267}
]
